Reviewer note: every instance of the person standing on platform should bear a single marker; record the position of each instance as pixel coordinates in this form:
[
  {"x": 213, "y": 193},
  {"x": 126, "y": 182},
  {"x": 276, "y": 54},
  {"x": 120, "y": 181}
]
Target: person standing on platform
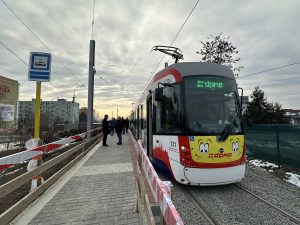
[
  {"x": 119, "y": 129},
  {"x": 123, "y": 123},
  {"x": 112, "y": 125},
  {"x": 126, "y": 124},
  {"x": 105, "y": 127}
]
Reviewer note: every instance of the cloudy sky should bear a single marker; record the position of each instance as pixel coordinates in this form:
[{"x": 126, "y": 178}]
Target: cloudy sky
[{"x": 266, "y": 33}]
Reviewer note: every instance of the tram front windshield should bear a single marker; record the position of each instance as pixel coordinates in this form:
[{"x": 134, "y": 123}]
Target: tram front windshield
[{"x": 212, "y": 104}]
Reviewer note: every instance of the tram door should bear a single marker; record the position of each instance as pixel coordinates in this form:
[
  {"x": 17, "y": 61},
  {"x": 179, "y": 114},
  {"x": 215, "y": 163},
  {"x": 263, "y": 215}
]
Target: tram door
[{"x": 149, "y": 125}]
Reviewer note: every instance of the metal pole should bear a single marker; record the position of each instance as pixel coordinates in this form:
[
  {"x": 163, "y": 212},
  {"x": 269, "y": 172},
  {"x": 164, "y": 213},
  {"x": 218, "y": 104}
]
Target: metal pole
[
  {"x": 37, "y": 116},
  {"x": 74, "y": 97},
  {"x": 278, "y": 149},
  {"x": 73, "y": 111},
  {"x": 91, "y": 88}
]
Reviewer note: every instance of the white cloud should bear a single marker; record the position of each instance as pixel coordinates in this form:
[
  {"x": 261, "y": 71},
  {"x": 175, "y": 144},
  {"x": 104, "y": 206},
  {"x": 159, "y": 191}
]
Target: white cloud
[{"x": 265, "y": 33}]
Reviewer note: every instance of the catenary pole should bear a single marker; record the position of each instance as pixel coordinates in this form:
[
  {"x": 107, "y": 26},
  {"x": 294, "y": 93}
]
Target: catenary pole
[{"x": 91, "y": 88}]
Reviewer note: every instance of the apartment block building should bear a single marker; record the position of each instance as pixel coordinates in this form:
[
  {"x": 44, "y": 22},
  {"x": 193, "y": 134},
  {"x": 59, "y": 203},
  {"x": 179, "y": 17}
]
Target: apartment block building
[{"x": 64, "y": 112}]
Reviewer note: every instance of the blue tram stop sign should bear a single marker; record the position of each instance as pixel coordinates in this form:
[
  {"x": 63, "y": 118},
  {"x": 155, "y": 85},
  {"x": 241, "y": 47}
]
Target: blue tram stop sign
[{"x": 39, "y": 66}]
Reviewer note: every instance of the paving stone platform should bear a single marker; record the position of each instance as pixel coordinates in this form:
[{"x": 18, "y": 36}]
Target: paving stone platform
[{"x": 100, "y": 191}]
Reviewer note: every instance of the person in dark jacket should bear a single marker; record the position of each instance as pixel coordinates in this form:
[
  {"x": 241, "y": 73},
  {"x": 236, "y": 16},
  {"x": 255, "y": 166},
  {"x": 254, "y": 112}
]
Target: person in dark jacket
[
  {"x": 105, "y": 127},
  {"x": 123, "y": 122},
  {"x": 112, "y": 125},
  {"x": 126, "y": 124},
  {"x": 119, "y": 129}
]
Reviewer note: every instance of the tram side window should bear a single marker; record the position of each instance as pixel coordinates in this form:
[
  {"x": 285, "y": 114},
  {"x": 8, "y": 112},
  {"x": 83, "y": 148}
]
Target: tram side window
[
  {"x": 141, "y": 128},
  {"x": 168, "y": 111},
  {"x": 142, "y": 117}
]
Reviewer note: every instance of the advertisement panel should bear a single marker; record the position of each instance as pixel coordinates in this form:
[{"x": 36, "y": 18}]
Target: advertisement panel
[{"x": 9, "y": 96}]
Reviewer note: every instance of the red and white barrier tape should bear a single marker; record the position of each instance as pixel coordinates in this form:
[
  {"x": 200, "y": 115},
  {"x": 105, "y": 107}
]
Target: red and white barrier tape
[
  {"x": 11, "y": 160},
  {"x": 160, "y": 190}
]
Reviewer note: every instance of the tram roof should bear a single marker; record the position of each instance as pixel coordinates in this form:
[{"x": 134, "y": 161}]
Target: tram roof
[
  {"x": 199, "y": 68},
  {"x": 191, "y": 68}
]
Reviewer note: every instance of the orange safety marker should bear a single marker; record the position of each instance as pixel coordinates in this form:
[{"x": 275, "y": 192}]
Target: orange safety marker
[{"x": 34, "y": 163}]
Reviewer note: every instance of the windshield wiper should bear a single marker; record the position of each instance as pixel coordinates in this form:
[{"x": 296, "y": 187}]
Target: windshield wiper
[{"x": 228, "y": 128}]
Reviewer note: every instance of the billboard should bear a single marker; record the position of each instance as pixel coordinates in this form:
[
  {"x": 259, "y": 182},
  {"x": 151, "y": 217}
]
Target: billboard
[{"x": 9, "y": 97}]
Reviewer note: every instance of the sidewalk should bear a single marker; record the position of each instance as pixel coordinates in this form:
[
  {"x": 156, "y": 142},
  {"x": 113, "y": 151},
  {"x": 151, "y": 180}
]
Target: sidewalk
[{"x": 100, "y": 189}]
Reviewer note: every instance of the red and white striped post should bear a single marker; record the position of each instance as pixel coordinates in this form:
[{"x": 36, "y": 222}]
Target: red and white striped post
[{"x": 34, "y": 163}]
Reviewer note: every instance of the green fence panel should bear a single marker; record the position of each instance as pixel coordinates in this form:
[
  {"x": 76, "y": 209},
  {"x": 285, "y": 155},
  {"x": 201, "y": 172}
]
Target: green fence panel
[
  {"x": 289, "y": 145},
  {"x": 266, "y": 141}
]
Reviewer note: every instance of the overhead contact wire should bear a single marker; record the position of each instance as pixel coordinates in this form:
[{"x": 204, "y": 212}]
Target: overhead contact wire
[
  {"x": 177, "y": 33},
  {"x": 276, "y": 68},
  {"x": 14, "y": 53},
  {"x": 93, "y": 20},
  {"x": 36, "y": 36}
]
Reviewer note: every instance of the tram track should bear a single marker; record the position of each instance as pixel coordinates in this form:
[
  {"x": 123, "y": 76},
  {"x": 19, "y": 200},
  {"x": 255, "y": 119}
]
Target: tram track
[
  {"x": 230, "y": 204},
  {"x": 207, "y": 215},
  {"x": 212, "y": 219},
  {"x": 296, "y": 220}
]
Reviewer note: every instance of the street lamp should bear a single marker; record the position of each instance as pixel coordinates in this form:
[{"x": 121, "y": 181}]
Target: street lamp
[
  {"x": 74, "y": 91},
  {"x": 104, "y": 80},
  {"x": 74, "y": 102},
  {"x": 117, "y": 110}
]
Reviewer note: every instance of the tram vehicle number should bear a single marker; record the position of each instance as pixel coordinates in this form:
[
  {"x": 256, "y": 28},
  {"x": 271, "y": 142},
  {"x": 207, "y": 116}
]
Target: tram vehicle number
[{"x": 173, "y": 144}]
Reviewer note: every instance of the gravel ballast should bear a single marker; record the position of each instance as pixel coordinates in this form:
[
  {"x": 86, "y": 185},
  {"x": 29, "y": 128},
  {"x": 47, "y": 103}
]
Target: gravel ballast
[{"x": 231, "y": 205}]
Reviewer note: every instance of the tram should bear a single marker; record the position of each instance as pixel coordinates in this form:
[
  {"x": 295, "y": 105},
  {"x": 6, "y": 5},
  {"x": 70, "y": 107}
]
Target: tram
[{"x": 189, "y": 119}]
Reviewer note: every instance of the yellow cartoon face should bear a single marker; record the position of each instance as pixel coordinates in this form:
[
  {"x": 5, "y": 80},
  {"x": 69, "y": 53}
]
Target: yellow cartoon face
[
  {"x": 204, "y": 147},
  {"x": 207, "y": 149},
  {"x": 236, "y": 147},
  {"x": 235, "y": 144}
]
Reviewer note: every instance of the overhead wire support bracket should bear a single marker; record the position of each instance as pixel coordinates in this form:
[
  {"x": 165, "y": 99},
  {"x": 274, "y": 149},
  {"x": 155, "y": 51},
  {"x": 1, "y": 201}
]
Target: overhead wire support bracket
[{"x": 176, "y": 53}]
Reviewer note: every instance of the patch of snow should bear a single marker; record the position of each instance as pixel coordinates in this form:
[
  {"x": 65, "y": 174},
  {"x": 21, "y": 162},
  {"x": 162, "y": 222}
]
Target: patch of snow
[
  {"x": 290, "y": 177},
  {"x": 12, "y": 172},
  {"x": 293, "y": 178},
  {"x": 3, "y": 147},
  {"x": 263, "y": 164},
  {"x": 12, "y": 146}
]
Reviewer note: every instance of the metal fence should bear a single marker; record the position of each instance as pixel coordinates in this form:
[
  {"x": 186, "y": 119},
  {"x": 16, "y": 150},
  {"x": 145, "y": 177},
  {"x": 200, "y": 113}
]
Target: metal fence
[{"x": 276, "y": 143}]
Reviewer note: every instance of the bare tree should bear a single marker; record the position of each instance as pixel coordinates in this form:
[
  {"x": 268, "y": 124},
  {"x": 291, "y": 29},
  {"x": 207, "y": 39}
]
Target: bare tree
[
  {"x": 24, "y": 131},
  {"x": 219, "y": 50}
]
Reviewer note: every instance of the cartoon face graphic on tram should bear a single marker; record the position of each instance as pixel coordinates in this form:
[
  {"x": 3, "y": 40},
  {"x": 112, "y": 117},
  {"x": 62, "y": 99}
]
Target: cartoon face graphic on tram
[{"x": 206, "y": 149}]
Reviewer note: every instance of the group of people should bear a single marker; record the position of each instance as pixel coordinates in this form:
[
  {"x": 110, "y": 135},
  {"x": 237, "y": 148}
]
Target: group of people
[{"x": 109, "y": 127}]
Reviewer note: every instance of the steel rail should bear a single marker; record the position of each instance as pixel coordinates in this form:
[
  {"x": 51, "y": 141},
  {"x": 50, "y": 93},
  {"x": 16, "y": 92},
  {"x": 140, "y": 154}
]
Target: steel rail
[
  {"x": 211, "y": 220},
  {"x": 270, "y": 204}
]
